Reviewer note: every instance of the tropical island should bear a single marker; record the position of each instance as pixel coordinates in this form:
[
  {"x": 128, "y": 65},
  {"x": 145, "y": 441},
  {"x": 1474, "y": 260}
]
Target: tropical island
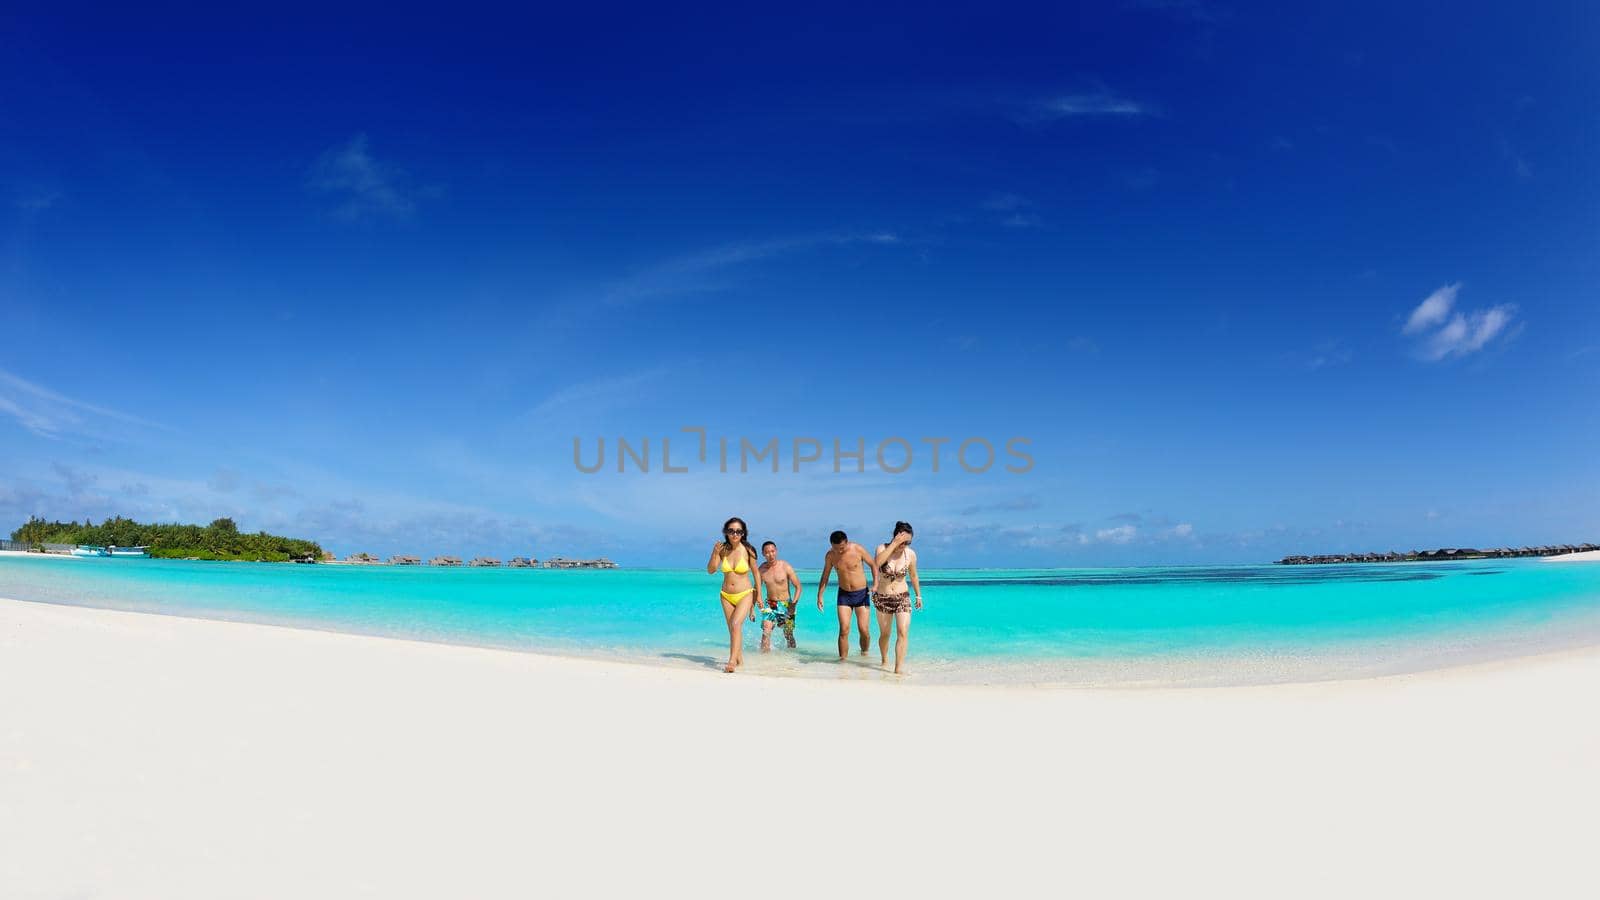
[
  {"x": 221, "y": 540},
  {"x": 1445, "y": 554}
]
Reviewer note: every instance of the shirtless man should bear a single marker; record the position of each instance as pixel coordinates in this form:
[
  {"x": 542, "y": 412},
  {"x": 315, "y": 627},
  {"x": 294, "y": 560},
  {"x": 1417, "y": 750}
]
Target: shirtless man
[
  {"x": 777, "y": 577},
  {"x": 854, "y": 563}
]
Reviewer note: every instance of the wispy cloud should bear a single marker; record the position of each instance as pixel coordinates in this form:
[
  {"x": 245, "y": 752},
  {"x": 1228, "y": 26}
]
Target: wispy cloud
[
  {"x": 1443, "y": 332},
  {"x": 598, "y": 394},
  {"x": 1328, "y": 354},
  {"x": 1432, "y": 310},
  {"x": 1099, "y": 103},
  {"x": 1519, "y": 163},
  {"x": 1006, "y": 202},
  {"x": 1121, "y": 534},
  {"x": 361, "y": 186},
  {"x": 37, "y": 200},
  {"x": 1013, "y": 210},
  {"x": 50, "y": 414},
  {"x": 1016, "y": 504},
  {"x": 696, "y": 271},
  {"x": 1468, "y": 333}
]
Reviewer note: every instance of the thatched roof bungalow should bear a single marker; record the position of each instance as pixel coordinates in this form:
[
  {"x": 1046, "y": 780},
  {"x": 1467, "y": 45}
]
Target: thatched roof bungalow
[{"x": 445, "y": 561}]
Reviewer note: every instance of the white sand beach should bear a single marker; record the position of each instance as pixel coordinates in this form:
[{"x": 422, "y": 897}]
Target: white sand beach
[
  {"x": 147, "y": 756},
  {"x": 1582, "y": 556}
]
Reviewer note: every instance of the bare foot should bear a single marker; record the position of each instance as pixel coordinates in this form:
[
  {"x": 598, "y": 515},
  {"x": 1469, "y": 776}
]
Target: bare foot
[{"x": 728, "y": 668}]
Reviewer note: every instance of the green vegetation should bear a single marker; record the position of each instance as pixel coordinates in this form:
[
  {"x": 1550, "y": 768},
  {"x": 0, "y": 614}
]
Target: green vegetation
[{"x": 219, "y": 540}]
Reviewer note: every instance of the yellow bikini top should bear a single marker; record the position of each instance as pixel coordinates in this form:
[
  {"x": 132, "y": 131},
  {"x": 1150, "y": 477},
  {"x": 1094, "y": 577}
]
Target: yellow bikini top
[{"x": 743, "y": 567}]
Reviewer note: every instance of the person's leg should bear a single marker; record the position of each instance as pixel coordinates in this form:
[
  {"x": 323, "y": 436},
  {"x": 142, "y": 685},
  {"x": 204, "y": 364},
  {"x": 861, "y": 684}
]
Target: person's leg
[
  {"x": 740, "y": 614},
  {"x": 730, "y": 616},
  {"x": 883, "y": 638},
  {"x": 902, "y": 637},
  {"x": 788, "y": 627},
  {"x": 766, "y": 635},
  {"x": 844, "y": 630},
  {"x": 864, "y": 625}
]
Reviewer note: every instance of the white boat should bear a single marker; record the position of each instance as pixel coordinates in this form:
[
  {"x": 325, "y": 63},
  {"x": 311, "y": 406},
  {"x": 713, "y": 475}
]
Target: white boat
[
  {"x": 130, "y": 552},
  {"x": 90, "y": 550}
]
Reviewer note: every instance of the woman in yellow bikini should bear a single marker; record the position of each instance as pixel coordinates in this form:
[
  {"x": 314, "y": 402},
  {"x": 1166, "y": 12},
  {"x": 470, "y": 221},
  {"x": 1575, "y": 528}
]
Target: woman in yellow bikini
[{"x": 736, "y": 560}]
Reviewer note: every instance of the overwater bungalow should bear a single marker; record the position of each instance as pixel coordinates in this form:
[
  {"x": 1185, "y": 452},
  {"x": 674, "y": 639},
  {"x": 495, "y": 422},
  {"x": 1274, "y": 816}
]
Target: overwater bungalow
[
  {"x": 522, "y": 562},
  {"x": 405, "y": 561},
  {"x": 485, "y": 562},
  {"x": 363, "y": 559},
  {"x": 445, "y": 561},
  {"x": 560, "y": 562},
  {"x": 1444, "y": 554}
]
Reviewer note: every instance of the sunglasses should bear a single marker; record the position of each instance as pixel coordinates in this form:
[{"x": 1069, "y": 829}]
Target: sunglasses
[{"x": 738, "y": 531}]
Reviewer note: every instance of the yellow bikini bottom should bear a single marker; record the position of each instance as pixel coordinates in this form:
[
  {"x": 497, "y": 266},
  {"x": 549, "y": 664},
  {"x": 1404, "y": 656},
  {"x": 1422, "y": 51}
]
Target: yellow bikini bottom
[{"x": 734, "y": 598}]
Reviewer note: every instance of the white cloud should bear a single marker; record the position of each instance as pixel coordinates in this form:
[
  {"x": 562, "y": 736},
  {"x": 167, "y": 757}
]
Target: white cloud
[
  {"x": 1121, "y": 534},
  {"x": 1098, "y": 103},
  {"x": 598, "y": 395},
  {"x": 1468, "y": 333},
  {"x": 1444, "y": 332},
  {"x": 1433, "y": 310},
  {"x": 1006, "y": 202},
  {"x": 694, "y": 272},
  {"x": 49, "y": 414},
  {"x": 1183, "y": 530},
  {"x": 364, "y": 186}
]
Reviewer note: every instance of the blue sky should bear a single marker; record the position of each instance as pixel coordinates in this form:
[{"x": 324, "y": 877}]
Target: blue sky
[{"x": 1252, "y": 280}]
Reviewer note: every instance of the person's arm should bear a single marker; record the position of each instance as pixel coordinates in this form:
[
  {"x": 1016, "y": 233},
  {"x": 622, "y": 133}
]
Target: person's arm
[
  {"x": 870, "y": 573},
  {"x": 794, "y": 581},
  {"x": 822, "y": 585},
  {"x": 916, "y": 585},
  {"x": 716, "y": 557},
  {"x": 888, "y": 550},
  {"x": 754, "y": 574}
]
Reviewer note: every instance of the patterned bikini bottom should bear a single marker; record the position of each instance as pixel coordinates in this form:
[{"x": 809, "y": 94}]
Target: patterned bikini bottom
[{"x": 892, "y": 603}]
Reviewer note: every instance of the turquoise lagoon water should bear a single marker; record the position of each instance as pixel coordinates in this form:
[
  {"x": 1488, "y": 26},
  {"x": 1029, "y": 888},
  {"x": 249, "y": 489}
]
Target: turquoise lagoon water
[{"x": 1096, "y": 626}]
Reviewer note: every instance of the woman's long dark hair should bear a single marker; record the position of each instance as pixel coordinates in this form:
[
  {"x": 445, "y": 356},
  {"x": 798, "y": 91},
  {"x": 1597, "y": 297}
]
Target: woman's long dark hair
[{"x": 750, "y": 552}]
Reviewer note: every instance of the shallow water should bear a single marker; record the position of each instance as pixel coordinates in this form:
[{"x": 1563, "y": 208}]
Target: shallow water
[{"x": 1189, "y": 625}]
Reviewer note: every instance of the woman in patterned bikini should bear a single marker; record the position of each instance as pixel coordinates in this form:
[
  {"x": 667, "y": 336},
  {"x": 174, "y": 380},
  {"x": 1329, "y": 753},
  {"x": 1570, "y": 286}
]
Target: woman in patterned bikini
[{"x": 895, "y": 562}]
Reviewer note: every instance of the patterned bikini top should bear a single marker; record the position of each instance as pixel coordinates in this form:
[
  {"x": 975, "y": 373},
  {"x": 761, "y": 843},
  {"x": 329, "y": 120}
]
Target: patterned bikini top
[{"x": 895, "y": 568}]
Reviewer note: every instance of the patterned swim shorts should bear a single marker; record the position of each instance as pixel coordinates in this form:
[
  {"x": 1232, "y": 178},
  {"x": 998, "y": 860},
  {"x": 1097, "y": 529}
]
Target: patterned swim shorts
[{"x": 892, "y": 603}]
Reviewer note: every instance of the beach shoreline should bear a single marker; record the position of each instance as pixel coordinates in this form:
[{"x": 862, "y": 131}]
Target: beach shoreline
[
  {"x": 162, "y": 756},
  {"x": 1583, "y": 556}
]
